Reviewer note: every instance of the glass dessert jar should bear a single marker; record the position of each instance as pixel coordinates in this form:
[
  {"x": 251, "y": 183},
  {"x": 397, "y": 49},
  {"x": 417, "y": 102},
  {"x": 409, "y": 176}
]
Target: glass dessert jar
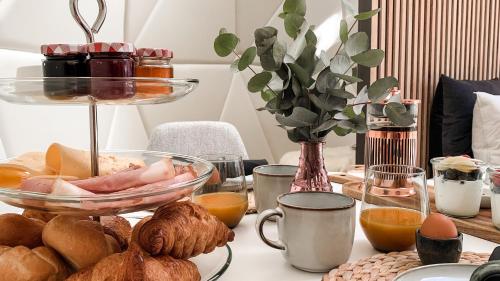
[
  {"x": 64, "y": 60},
  {"x": 153, "y": 63},
  {"x": 112, "y": 60},
  {"x": 458, "y": 185},
  {"x": 494, "y": 179}
]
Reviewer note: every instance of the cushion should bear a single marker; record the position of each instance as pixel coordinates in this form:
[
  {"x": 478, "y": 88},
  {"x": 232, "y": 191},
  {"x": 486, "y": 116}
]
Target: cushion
[
  {"x": 450, "y": 130},
  {"x": 485, "y": 129}
]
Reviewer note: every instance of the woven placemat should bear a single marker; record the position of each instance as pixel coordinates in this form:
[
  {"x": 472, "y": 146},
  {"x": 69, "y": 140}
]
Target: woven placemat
[{"x": 385, "y": 267}]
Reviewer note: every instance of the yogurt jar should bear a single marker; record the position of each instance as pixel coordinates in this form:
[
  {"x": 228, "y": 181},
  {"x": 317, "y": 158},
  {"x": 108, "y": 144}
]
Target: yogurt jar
[
  {"x": 458, "y": 183},
  {"x": 494, "y": 178}
]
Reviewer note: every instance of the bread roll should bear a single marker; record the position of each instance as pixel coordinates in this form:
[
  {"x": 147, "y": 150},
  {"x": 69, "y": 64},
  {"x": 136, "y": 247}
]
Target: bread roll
[
  {"x": 119, "y": 228},
  {"x": 40, "y": 215},
  {"x": 17, "y": 230},
  {"x": 40, "y": 264},
  {"x": 80, "y": 241}
]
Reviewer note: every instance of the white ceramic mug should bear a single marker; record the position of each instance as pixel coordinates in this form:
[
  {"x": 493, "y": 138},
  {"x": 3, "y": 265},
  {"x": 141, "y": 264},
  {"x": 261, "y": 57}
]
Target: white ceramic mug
[
  {"x": 270, "y": 181},
  {"x": 316, "y": 229}
]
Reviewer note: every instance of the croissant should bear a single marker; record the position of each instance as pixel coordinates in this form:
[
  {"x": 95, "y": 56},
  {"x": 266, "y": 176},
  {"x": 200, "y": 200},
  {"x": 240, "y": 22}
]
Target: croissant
[
  {"x": 133, "y": 265},
  {"x": 183, "y": 230},
  {"x": 119, "y": 228}
]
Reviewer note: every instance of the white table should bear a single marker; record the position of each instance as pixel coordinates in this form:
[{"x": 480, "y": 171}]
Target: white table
[{"x": 253, "y": 260}]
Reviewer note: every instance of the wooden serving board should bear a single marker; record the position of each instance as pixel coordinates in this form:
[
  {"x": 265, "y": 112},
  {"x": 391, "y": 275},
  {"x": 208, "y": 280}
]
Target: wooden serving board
[{"x": 480, "y": 226}]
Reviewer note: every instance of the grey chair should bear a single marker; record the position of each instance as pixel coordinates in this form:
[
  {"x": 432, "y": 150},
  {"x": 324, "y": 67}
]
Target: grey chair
[{"x": 198, "y": 138}]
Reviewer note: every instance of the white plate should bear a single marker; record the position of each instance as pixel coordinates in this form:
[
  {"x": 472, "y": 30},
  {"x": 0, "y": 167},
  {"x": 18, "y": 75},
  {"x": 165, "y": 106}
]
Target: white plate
[
  {"x": 214, "y": 264},
  {"x": 439, "y": 272}
]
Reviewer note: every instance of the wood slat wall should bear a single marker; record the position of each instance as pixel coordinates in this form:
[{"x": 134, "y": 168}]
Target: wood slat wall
[{"x": 425, "y": 38}]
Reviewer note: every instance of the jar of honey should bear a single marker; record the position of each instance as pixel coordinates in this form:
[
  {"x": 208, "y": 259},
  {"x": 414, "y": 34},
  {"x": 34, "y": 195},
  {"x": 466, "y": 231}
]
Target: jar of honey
[
  {"x": 154, "y": 63},
  {"x": 64, "y": 60},
  {"x": 111, "y": 60}
]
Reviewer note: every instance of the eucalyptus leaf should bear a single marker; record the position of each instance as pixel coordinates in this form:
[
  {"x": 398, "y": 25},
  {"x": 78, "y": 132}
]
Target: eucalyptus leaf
[
  {"x": 267, "y": 95},
  {"x": 300, "y": 117},
  {"x": 259, "y": 81},
  {"x": 225, "y": 44},
  {"x": 341, "y": 132},
  {"x": 295, "y": 7},
  {"x": 378, "y": 90},
  {"x": 296, "y": 87},
  {"x": 282, "y": 15},
  {"x": 360, "y": 100},
  {"x": 357, "y": 43},
  {"x": 301, "y": 74},
  {"x": 367, "y": 15},
  {"x": 234, "y": 65},
  {"x": 279, "y": 51},
  {"x": 344, "y": 32},
  {"x": 267, "y": 61},
  {"x": 348, "y": 78},
  {"x": 298, "y": 134},
  {"x": 222, "y": 31},
  {"x": 298, "y": 45},
  {"x": 340, "y": 63},
  {"x": 247, "y": 58},
  {"x": 325, "y": 126},
  {"x": 341, "y": 116},
  {"x": 326, "y": 80},
  {"x": 272, "y": 106},
  {"x": 307, "y": 59},
  {"x": 397, "y": 113},
  {"x": 327, "y": 102},
  {"x": 370, "y": 58},
  {"x": 293, "y": 22},
  {"x": 265, "y": 38},
  {"x": 340, "y": 93},
  {"x": 311, "y": 39}
]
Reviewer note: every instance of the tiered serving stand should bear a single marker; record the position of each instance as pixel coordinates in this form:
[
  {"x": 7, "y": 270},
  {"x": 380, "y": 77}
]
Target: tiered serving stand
[{"x": 36, "y": 91}]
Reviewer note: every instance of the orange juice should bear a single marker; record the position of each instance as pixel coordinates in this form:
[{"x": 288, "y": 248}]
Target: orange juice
[
  {"x": 391, "y": 229},
  {"x": 12, "y": 176},
  {"x": 229, "y": 207}
]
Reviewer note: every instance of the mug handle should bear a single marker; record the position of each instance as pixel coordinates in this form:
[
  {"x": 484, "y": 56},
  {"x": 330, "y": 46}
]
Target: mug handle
[{"x": 259, "y": 225}]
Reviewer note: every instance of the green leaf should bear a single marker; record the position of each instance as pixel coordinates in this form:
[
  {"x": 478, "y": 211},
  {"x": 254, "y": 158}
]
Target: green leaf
[
  {"x": 344, "y": 32},
  {"x": 367, "y": 15},
  {"x": 282, "y": 15},
  {"x": 369, "y": 58},
  {"x": 300, "y": 117},
  {"x": 279, "y": 51},
  {"x": 295, "y": 7},
  {"x": 247, "y": 58},
  {"x": 357, "y": 43},
  {"x": 234, "y": 65},
  {"x": 267, "y": 61},
  {"x": 361, "y": 98},
  {"x": 311, "y": 38},
  {"x": 397, "y": 113},
  {"x": 340, "y": 93},
  {"x": 265, "y": 38},
  {"x": 293, "y": 22},
  {"x": 267, "y": 95},
  {"x": 225, "y": 44},
  {"x": 259, "y": 81},
  {"x": 222, "y": 31},
  {"x": 325, "y": 126},
  {"x": 348, "y": 78},
  {"x": 340, "y": 63},
  {"x": 307, "y": 59},
  {"x": 328, "y": 103},
  {"x": 296, "y": 87},
  {"x": 272, "y": 106},
  {"x": 326, "y": 80},
  {"x": 301, "y": 74},
  {"x": 298, "y": 134},
  {"x": 341, "y": 132},
  {"x": 378, "y": 90}
]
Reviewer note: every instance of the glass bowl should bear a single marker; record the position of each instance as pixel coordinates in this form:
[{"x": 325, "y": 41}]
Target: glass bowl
[{"x": 115, "y": 203}]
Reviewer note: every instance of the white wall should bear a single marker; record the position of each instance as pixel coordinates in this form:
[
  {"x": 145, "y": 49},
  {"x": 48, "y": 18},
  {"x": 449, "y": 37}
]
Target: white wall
[{"x": 188, "y": 27}]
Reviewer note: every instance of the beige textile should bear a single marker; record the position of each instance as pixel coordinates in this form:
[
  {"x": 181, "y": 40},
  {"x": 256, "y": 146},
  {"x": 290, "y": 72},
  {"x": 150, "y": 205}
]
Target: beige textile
[{"x": 385, "y": 267}]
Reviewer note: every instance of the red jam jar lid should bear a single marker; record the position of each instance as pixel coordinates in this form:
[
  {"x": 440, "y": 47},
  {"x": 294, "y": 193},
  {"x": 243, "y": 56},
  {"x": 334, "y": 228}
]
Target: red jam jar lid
[
  {"x": 155, "y": 53},
  {"x": 111, "y": 47},
  {"x": 63, "y": 49}
]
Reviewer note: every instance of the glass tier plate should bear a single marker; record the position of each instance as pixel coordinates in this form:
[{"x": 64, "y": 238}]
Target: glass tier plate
[
  {"x": 99, "y": 90},
  {"x": 114, "y": 203},
  {"x": 213, "y": 265}
]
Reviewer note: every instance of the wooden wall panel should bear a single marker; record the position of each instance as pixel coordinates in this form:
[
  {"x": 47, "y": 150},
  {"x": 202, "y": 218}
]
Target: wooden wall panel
[{"x": 426, "y": 38}]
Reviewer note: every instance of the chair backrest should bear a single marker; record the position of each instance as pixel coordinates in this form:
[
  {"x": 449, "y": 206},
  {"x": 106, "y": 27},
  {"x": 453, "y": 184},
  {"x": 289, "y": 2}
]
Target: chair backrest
[{"x": 198, "y": 138}]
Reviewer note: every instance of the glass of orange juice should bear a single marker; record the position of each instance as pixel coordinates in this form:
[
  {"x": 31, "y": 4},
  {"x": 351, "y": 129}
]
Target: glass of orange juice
[
  {"x": 394, "y": 205},
  {"x": 224, "y": 195}
]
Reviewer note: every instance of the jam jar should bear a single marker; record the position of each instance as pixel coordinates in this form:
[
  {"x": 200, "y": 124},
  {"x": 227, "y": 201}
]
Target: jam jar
[
  {"x": 65, "y": 60},
  {"x": 155, "y": 63},
  {"x": 111, "y": 60}
]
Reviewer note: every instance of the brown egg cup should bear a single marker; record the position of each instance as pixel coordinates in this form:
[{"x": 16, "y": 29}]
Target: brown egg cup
[{"x": 432, "y": 251}]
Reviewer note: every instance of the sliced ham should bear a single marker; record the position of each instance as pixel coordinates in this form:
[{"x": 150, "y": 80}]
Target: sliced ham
[
  {"x": 156, "y": 172},
  {"x": 41, "y": 185}
]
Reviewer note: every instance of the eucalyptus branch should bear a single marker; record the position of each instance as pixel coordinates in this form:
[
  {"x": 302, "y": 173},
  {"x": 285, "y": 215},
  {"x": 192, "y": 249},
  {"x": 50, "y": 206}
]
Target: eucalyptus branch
[
  {"x": 361, "y": 103},
  {"x": 348, "y": 32},
  {"x": 254, "y": 72}
]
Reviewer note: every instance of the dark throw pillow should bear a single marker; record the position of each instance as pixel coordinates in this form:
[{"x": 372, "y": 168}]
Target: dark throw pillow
[{"x": 450, "y": 128}]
